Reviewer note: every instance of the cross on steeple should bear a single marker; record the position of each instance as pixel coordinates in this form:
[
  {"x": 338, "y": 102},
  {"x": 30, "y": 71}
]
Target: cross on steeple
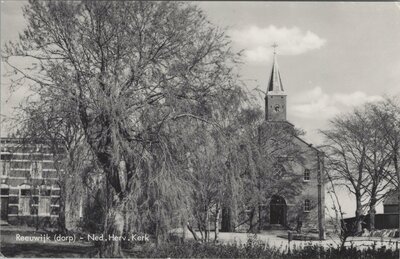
[{"x": 274, "y": 46}]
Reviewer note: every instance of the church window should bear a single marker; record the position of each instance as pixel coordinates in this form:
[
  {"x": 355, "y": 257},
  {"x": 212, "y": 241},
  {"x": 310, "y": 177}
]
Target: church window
[
  {"x": 307, "y": 205},
  {"x": 306, "y": 175}
]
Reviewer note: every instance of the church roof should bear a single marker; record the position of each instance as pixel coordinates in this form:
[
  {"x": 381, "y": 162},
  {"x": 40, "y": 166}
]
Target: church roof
[
  {"x": 275, "y": 85},
  {"x": 309, "y": 145}
]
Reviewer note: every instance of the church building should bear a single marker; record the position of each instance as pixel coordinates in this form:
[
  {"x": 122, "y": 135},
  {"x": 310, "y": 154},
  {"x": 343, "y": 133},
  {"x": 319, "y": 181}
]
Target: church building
[{"x": 300, "y": 206}]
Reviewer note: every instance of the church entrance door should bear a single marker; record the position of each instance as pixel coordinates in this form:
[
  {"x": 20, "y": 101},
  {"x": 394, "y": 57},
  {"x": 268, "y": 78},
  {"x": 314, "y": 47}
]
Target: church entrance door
[{"x": 277, "y": 210}]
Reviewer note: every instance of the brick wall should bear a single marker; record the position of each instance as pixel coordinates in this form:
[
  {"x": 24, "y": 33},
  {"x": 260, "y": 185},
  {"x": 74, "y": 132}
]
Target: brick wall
[{"x": 29, "y": 184}]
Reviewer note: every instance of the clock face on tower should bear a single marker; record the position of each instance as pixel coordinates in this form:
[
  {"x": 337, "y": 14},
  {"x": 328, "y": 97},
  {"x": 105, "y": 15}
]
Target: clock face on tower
[{"x": 275, "y": 108}]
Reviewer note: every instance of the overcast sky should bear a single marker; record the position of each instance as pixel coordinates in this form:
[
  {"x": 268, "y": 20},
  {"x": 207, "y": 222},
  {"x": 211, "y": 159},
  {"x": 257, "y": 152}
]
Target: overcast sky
[{"x": 332, "y": 56}]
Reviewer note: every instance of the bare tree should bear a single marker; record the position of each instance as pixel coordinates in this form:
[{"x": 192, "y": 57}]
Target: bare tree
[
  {"x": 135, "y": 74},
  {"x": 387, "y": 114},
  {"x": 378, "y": 162},
  {"x": 363, "y": 152},
  {"x": 340, "y": 227},
  {"x": 346, "y": 148},
  {"x": 207, "y": 167}
]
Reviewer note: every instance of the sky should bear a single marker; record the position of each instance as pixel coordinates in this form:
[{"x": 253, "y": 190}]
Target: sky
[{"x": 333, "y": 56}]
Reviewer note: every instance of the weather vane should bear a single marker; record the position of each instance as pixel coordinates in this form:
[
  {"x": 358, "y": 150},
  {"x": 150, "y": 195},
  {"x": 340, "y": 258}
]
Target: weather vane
[{"x": 274, "y": 46}]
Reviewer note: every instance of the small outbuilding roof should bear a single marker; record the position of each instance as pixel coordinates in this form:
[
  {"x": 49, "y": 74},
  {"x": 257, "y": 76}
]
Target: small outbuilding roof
[{"x": 391, "y": 198}]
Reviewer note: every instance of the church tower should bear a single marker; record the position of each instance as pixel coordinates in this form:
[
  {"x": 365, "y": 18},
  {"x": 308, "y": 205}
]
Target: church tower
[{"x": 275, "y": 99}]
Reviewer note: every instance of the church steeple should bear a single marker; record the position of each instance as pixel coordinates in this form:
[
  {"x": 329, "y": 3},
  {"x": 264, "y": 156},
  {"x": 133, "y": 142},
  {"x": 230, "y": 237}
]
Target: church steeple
[
  {"x": 275, "y": 99},
  {"x": 275, "y": 85}
]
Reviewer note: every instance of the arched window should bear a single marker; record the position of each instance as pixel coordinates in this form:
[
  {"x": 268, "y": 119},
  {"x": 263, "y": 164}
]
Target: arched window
[
  {"x": 306, "y": 175},
  {"x": 307, "y": 205}
]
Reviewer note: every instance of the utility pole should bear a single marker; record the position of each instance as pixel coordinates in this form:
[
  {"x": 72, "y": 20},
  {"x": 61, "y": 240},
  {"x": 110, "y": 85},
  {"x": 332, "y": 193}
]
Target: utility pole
[{"x": 321, "y": 220}]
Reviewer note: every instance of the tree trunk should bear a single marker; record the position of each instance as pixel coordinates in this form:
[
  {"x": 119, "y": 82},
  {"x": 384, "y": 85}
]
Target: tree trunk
[
  {"x": 358, "y": 214},
  {"x": 207, "y": 224},
  {"x": 201, "y": 231},
  {"x": 216, "y": 225},
  {"x": 61, "y": 215},
  {"x": 251, "y": 220},
  {"x": 184, "y": 226},
  {"x": 372, "y": 212},
  {"x": 114, "y": 228},
  {"x": 114, "y": 225},
  {"x": 192, "y": 231},
  {"x": 234, "y": 215}
]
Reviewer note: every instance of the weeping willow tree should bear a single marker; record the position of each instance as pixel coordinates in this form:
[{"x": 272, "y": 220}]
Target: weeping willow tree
[
  {"x": 268, "y": 153},
  {"x": 208, "y": 159},
  {"x": 132, "y": 77}
]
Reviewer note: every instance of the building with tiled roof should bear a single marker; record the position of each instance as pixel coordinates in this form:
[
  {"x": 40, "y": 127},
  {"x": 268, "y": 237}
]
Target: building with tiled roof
[
  {"x": 30, "y": 189},
  {"x": 391, "y": 203}
]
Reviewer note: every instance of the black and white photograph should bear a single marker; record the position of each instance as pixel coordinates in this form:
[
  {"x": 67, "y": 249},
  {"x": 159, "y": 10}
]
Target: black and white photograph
[{"x": 200, "y": 129}]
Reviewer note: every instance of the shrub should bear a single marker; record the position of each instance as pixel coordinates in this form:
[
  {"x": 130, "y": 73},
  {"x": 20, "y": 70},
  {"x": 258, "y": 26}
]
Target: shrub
[{"x": 254, "y": 248}]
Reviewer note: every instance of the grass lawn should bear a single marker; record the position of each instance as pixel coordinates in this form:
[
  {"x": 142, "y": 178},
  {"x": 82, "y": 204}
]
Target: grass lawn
[{"x": 46, "y": 250}]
